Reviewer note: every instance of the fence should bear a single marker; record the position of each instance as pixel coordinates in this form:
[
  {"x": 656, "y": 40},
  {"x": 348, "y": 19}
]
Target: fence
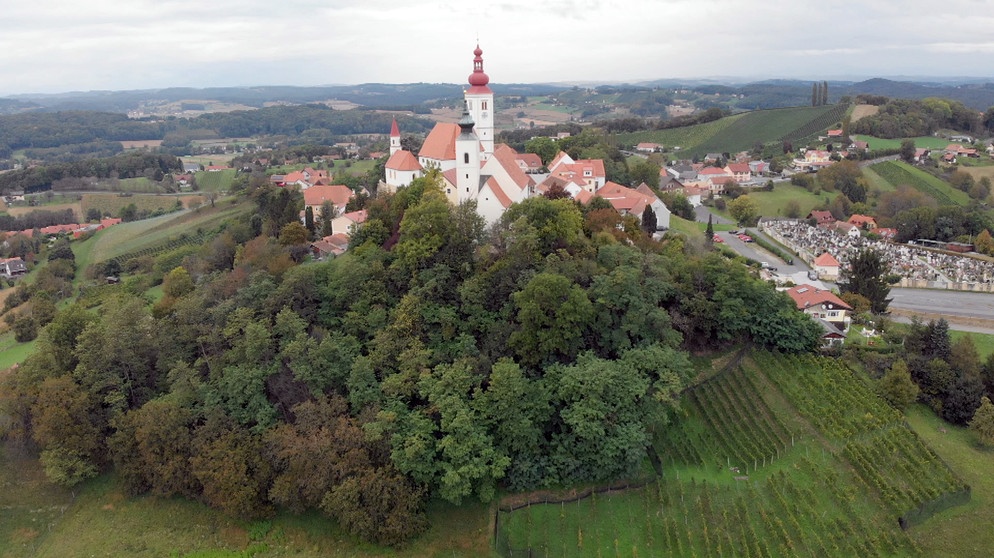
[{"x": 501, "y": 542}]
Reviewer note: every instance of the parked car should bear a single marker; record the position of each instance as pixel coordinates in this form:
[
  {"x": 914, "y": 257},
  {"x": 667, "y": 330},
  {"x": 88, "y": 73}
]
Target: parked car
[
  {"x": 745, "y": 238},
  {"x": 766, "y": 265},
  {"x": 717, "y": 239}
]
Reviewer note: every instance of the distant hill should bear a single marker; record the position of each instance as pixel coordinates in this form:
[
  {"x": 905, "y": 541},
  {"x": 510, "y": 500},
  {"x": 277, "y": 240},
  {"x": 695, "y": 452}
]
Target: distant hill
[{"x": 374, "y": 95}]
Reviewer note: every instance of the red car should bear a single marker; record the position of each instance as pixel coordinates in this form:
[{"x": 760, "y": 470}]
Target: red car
[
  {"x": 717, "y": 239},
  {"x": 745, "y": 238}
]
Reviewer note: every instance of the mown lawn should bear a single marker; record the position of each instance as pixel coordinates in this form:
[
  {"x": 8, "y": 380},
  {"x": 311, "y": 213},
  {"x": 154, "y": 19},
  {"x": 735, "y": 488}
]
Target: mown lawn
[
  {"x": 930, "y": 142},
  {"x": 12, "y": 352},
  {"x": 965, "y": 530},
  {"x": 774, "y": 203}
]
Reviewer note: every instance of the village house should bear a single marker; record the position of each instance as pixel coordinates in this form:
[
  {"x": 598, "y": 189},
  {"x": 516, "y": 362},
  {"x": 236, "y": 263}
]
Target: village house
[
  {"x": 12, "y": 267},
  {"x": 826, "y": 266},
  {"x": 740, "y": 172},
  {"x": 337, "y": 195},
  {"x": 628, "y": 201},
  {"x": 647, "y": 147},
  {"x": 822, "y": 304},
  {"x": 822, "y": 218},
  {"x": 864, "y": 222}
]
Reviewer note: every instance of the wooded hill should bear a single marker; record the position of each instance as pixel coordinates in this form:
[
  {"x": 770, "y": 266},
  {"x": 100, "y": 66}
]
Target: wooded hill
[{"x": 431, "y": 362}]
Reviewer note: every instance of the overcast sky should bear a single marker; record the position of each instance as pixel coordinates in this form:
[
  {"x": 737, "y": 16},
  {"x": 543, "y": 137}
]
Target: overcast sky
[{"x": 55, "y": 45}]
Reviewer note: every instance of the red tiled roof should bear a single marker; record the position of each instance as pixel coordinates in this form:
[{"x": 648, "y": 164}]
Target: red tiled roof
[
  {"x": 806, "y": 296},
  {"x": 826, "y": 260},
  {"x": 337, "y": 194},
  {"x": 403, "y": 161},
  {"x": 507, "y": 156},
  {"x": 441, "y": 142},
  {"x": 739, "y": 168},
  {"x": 712, "y": 171},
  {"x": 504, "y": 200}
]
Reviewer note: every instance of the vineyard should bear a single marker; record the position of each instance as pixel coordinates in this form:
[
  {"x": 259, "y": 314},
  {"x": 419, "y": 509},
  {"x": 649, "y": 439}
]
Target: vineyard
[
  {"x": 902, "y": 174},
  {"x": 830, "y": 117},
  {"x": 782, "y": 456},
  {"x": 742, "y": 131},
  {"x": 198, "y": 239}
]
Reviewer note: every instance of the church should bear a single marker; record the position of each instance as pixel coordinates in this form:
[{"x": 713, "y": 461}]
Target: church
[{"x": 495, "y": 176}]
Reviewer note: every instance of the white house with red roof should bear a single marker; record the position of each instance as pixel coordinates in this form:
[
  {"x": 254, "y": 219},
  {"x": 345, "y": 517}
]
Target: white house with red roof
[
  {"x": 740, "y": 171},
  {"x": 826, "y": 266},
  {"x": 628, "y": 201},
  {"x": 337, "y": 194},
  {"x": 345, "y": 222},
  {"x": 590, "y": 171},
  {"x": 821, "y": 304}
]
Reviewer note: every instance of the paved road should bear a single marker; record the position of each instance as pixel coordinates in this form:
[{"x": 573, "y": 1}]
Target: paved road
[{"x": 949, "y": 303}]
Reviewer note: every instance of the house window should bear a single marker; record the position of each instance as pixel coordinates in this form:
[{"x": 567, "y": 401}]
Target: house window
[
  {"x": 448, "y": 190},
  {"x": 465, "y": 158}
]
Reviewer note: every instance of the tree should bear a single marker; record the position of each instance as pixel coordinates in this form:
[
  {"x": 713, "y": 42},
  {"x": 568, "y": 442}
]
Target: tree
[
  {"x": 907, "y": 150},
  {"x": 824, "y": 93},
  {"x": 327, "y": 215},
  {"x": 648, "y": 220},
  {"x": 544, "y": 147},
  {"x": 988, "y": 120},
  {"x": 553, "y": 314},
  {"x": 709, "y": 233},
  {"x": 865, "y": 276},
  {"x": 983, "y": 421},
  {"x": 792, "y": 209},
  {"x": 846, "y": 177},
  {"x": 293, "y": 234},
  {"x": 309, "y": 221},
  {"x": 897, "y": 387},
  {"x": 984, "y": 243},
  {"x": 647, "y": 172},
  {"x": 814, "y": 94},
  {"x": 744, "y": 210},
  {"x": 177, "y": 283}
]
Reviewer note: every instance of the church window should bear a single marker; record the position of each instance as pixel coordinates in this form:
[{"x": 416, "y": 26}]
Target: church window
[
  {"x": 465, "y": 157},
  {"x": 467, "y": 189},
  {"x": 484, "y": 105}
]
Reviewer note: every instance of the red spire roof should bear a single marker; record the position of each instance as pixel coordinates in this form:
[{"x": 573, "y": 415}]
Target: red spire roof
[
  {"x": 478, "y": 80},
  {"x": 394, "y": 129}
]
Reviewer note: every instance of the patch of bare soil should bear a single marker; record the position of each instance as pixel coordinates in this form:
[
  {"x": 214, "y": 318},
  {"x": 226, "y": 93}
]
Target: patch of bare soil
[{"x": 862, "y": 111}]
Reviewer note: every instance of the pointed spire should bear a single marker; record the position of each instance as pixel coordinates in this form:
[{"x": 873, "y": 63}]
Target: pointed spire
[
  {"x": 466, "y": 122},
  {"x": 394, "y": 129}
]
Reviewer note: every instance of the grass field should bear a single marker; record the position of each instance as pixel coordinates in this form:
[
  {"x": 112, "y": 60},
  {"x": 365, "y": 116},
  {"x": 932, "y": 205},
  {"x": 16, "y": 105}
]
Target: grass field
[
  {"x": 930, "y": 142},
  {"x": 12, "y": 352},
  {"x": 900, "y": 173},
  {"x": 215, "y": 181},
  {"x": 113, "y": 203},
  {"x": 964, "y": 531},
  {"x": 774, "y": 203},
  {"x": 42, "y": 521}
]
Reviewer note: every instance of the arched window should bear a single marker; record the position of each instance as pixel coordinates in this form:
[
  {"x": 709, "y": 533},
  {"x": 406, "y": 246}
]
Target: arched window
[
  {"x": 484, "y": 105},
  {"x": 465, "y": 158}
]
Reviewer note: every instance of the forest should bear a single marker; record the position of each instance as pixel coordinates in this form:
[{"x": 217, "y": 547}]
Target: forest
[{"x": 437, "y": 360}]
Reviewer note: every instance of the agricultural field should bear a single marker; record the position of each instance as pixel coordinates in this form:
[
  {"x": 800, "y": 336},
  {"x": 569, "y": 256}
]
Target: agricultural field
[
  {"x": 978, "y": 172},
  {"x": 899, "y": 173},
  {"x": 862, "y": 111},
  {"x": 742, "y": 131},
  {"x": 688, "y": 138},
  {"x": 876, "y": 181},
  {"x": 129, "y": 238},
  {"x": 113, "y": 203},
  {"x": 782, "y": 456},
  {"x": 930, "y": 142},
  {"x": 215, "y": 181}
]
